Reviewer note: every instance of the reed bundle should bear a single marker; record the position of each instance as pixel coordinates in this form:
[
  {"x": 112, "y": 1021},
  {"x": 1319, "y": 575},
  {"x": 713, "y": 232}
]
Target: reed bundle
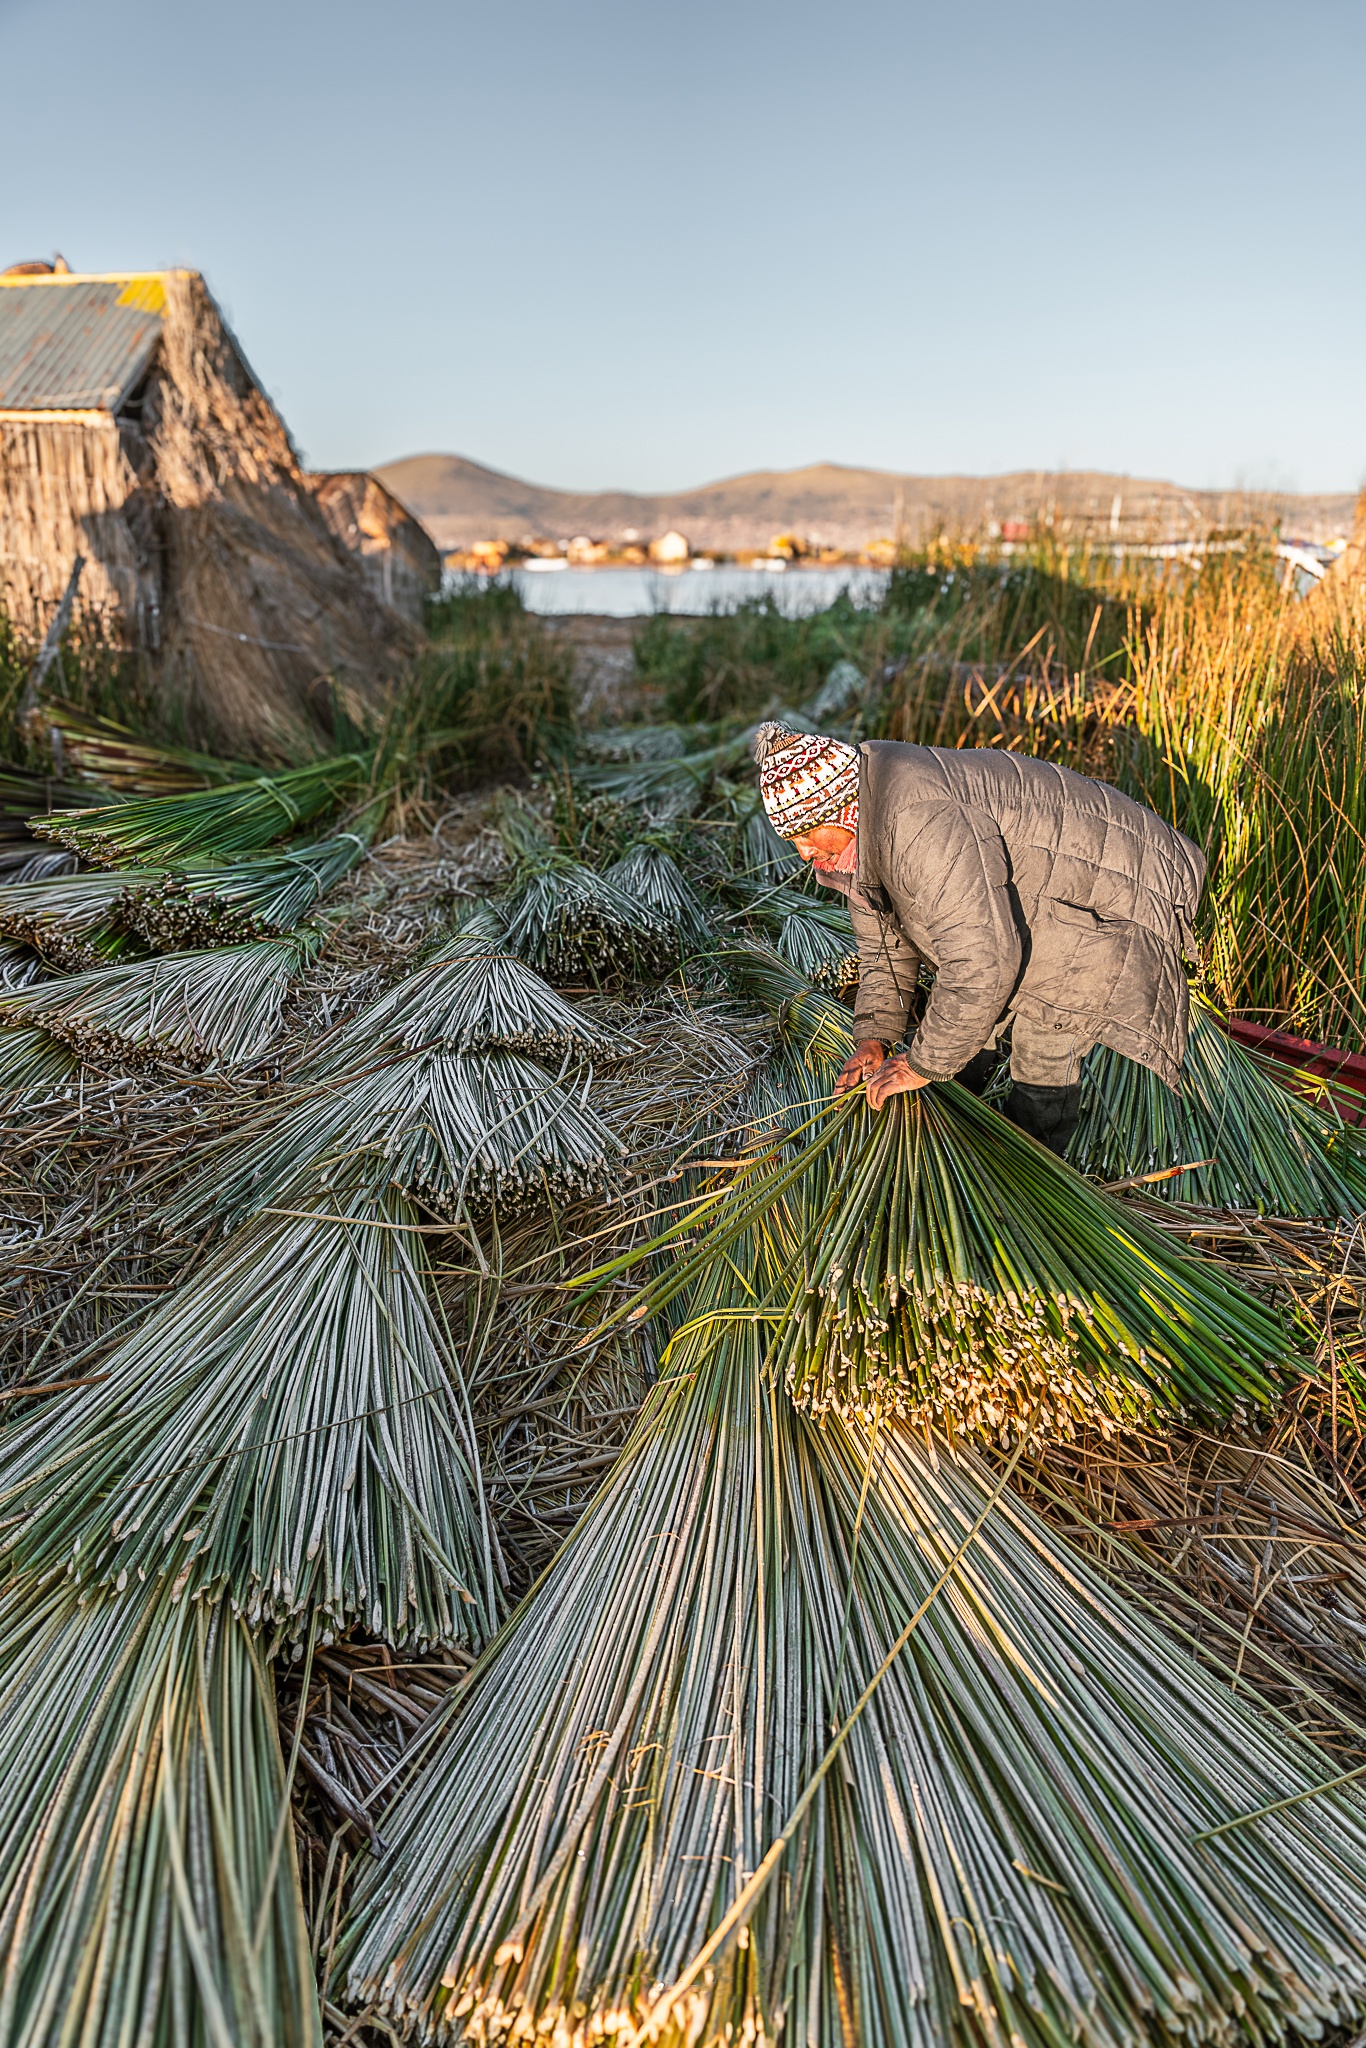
[
  {"x": 205, "y": 824},
  {"x": 650, "y": 875},
  {"x": 662, "y": 779},
  {"x": 217, "y": 1007},
  {"x": 148, "y": 1889},
  {"x": 574, "y": 924},
  {"x": 457, "y": 1131},
  {"x": 289, "y": 1427},
  {"x": 1245, "y": 1138},
  {"x": 212, "y": 903},
  {"x": 1008, "y": 1850},
  {"x": 571, "y": 922},
  {"x": 938, "y": 1265},
  {"x": 18, "y": 966},
  {"x": 74, "y": 921},
  {"x": 471, "y": 995},
  {"x": 33, "y": 1066},
  {"x": 102, "y": 751},
  {"x": 764, "y": 857}
]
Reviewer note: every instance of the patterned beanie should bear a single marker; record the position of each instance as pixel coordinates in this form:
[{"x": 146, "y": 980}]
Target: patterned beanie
[{"x": 806, "y": 780}]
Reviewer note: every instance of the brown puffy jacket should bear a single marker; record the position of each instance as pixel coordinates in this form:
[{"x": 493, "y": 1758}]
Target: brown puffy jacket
[{"x": 1028, "y": 891}]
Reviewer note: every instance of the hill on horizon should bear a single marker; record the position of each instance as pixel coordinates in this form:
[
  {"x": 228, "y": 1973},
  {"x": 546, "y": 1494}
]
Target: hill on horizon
[{"x": 460, "y": 502}]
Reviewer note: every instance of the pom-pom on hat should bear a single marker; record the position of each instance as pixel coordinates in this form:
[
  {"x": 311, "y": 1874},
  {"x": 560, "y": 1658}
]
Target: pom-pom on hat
[{"x": 805, "y": 779}]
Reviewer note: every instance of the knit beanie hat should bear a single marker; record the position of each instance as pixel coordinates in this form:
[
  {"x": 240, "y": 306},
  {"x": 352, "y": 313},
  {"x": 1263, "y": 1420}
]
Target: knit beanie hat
[{"x": 806, "y": 779}]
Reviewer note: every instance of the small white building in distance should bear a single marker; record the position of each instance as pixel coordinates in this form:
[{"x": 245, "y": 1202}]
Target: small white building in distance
[{"x": 670, "y": 548}]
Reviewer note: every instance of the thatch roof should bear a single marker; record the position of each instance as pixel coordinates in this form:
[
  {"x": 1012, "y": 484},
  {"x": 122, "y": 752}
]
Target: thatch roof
[
  {"x": 133, "y": 432},
  {"x": 397, "y": 556}
]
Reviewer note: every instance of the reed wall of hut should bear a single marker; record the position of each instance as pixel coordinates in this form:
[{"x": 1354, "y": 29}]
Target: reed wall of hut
[
  {"x": 133, "y": 432},
  {"x": 397, "y": 556}
]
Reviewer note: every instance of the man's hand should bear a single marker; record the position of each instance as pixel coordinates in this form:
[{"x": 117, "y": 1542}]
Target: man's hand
[
  {"x": 894, "y": 1077},
  {"x": 868, "y": 1055}
]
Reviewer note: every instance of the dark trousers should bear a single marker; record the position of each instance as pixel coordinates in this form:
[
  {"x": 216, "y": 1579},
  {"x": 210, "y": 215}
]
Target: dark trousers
[{"x": 1048, "y": 1114}]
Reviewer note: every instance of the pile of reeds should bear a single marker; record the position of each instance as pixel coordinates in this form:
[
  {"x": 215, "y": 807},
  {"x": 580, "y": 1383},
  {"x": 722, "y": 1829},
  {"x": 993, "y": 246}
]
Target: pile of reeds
[
  {"x": 811, "y": 1733},
  {"x": 1238, "y": 1134},
  {"x": 933, "y": 1263}
]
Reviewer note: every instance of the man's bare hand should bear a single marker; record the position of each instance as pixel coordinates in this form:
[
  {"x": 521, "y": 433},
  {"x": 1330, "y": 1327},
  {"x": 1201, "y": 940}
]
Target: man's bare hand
[
  {"x": 894, "y": 1077},
  {"x": 868, "y": 1055}
]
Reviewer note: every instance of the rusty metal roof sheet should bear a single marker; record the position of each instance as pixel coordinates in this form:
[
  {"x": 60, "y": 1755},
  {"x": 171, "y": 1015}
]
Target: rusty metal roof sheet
[{"x": 75, "y": 344}]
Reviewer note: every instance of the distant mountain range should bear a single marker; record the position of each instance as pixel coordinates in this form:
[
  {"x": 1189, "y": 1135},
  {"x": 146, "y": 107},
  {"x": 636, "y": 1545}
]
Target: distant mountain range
[{"x": 460, "y": 502}]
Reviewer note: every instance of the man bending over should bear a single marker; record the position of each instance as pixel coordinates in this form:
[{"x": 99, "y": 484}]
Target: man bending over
[{"x": 1051, "y": 910}]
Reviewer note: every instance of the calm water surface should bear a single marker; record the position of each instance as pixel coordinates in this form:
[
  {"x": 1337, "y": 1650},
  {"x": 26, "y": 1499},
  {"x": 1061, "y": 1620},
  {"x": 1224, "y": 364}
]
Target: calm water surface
[{"x": 629, "y": 593}]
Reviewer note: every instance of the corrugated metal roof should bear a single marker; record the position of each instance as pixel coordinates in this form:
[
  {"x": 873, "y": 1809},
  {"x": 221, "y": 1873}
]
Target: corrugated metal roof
[{"x": 73, "y": 344}]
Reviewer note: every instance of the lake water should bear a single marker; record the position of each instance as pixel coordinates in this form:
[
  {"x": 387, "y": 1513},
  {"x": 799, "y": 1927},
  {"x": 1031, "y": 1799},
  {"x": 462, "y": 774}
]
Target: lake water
[{"x": 632, "y": 593}]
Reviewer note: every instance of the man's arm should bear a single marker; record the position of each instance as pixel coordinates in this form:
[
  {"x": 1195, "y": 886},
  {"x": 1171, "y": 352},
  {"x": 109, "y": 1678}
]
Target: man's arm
[
  {"x": 888, "y": 968},
  {"x": 954, "y": 874}
]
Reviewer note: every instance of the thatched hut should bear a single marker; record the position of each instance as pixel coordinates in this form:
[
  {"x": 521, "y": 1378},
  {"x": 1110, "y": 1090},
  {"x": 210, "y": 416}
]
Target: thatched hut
[
  {"x": 397, "y": 556},
  {"x": 133, "y": 433}
]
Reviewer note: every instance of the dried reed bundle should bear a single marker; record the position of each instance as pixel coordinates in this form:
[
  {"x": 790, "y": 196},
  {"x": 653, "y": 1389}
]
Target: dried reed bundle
[
  {"x": 819, "y": 955},
  {"x": 288, "y": 1427},
  {"x": 189, "y": 1009},
  {"x": 33, "y": 1066},
  {"x": 649, "y": 874},
  {"x": 205, "y": 824},
  {"x": 1262, "y": 1144},
  {"x": 148, "y": 1889},
  {"x": 456, "y": 1130},
  {"x": 471, "y": 995},
  {"x": 221, "y": 904},
  {"x": 940, "y": 1266},
  {"x": 74, "y": 921},
  {"x": 571, "y": 922},
  {"x": 1006, "y": 1852}
]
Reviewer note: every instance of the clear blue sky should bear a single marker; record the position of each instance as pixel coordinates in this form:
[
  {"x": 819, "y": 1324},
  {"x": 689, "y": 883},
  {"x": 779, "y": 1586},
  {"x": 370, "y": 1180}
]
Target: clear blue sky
[{"x": 648, "y": 245}]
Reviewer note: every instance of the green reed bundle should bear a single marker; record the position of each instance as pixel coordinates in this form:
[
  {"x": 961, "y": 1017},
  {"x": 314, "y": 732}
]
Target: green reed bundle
[
  {"x": 216, "y": 903},
  {"x": 148, "y": 1889},
  {"x": 663, "y": 779},
  {"x": 205, "y": 824},
  {"x": 217, "y": 1007},
  {"x": 33, "y": 1066},
  {"x": 1247, "y": 1138},
  {"x": 73, "y": 921},
  {"x": 456, "y": 1130},
  {"x": 1005, "y": 1850},
  {"x": 649, "y": 874},
  {"x": 938, "y": 1265},
  {"x": 471, "y": 995},
  {"x": 289, "y": 1427}
]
